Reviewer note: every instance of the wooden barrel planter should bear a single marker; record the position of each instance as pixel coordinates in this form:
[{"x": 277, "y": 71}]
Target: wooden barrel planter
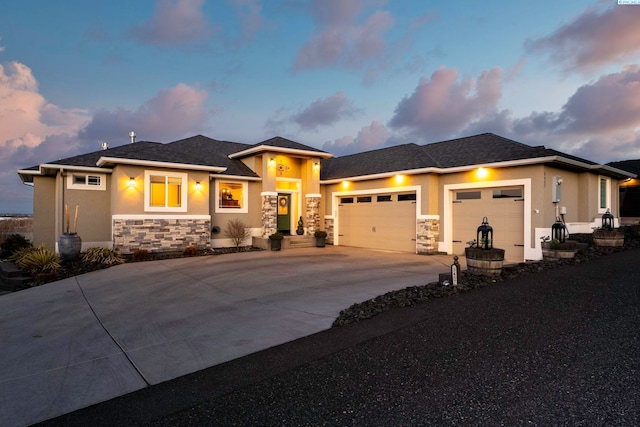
[
  {"x": 485, "y": 262},
  {"x": 610, "y": 238},
  {"x": 557, "y": 251}
]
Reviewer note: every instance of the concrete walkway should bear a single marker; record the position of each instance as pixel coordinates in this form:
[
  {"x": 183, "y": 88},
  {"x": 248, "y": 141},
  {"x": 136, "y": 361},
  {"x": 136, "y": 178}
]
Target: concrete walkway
[{"x": 84, "y": 340}]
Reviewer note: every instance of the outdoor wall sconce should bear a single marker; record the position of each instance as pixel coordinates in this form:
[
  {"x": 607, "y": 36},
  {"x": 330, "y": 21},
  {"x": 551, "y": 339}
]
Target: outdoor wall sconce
[
  {"x": 607, "y": 221},
  {"x": 399, "y": 179},
  {"x": 272, "y": 162},
  {"x": 482, "y": 173},
  {"x": 558, "y": 231},
  {"x": 198, "y": 186},
  {"x": 485, "y": 235},
  {"x": 316, "y": 166},
  {"x": 132, "y": 182}
]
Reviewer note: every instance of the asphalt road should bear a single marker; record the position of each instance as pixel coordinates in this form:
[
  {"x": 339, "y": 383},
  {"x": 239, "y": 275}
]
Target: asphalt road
[{"x": 560, "y": 347}]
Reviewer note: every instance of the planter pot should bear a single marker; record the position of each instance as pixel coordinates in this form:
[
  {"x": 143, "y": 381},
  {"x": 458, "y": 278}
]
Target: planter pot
[
  {"x": 69, "y": 245},
  {"x": 552, "y": 252},
  {"x": 484, "y": 262},
  {"x": 320, "y": 242},
  {"x": 608, "y": 238},
  {"x": 276, "y": 245}
]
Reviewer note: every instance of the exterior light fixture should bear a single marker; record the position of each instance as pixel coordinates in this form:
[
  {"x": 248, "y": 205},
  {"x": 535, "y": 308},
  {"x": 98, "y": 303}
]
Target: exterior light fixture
[
  {"x": 316, "y": 166},
  {"x": 485, "y": 235},
  {"x": 272, "y": 162},
  {"x": 345, "y": 184},
  {"x": 132, "y": 182},
  {"x": 607, "y": 221},
  {"x": 558, "y": 231},
  {"x": 399, "y": 179},
  {"x": 482, "y": 173},
  {"x": 198, "y": 186}
]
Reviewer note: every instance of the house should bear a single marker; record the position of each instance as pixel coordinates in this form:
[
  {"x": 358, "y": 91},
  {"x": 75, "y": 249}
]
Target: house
[
  {"x": 415, "y": 198},
  {"x": 629, "y": 192}
]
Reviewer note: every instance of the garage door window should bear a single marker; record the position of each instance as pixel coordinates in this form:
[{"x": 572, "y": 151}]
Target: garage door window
[
  {"x": 406, "y": 197},
  {"x": 364, "y": 199},
  {"x": 346, "y": 200},
  {"x": 467, "y": 195},
  {"x": 511, "y": 193},
  {"x": 385, "y": 198}
]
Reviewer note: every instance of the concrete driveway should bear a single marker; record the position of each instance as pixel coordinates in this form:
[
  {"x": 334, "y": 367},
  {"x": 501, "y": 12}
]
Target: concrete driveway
[{"x": 87, "y": 339}]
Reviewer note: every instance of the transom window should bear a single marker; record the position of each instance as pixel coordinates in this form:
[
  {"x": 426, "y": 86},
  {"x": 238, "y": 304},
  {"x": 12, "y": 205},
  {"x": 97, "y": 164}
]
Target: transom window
[
  {"x": 468, "y": 195},
  {"x": 83, "y": 181},
  {"x": 165, "y": 192},
  {"x": 406, "y": 197}
]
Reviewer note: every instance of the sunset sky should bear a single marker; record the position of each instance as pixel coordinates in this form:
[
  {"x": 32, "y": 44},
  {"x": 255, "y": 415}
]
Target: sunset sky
[{"x": 342, "y": 75}]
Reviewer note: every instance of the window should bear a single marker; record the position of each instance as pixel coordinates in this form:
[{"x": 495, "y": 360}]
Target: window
[
  {"x": 604, "y": 195},
  {"x": 165, "y": 192},
  {"x": 468, "y": 195},
  {"x": 346, "y": 200},
  {"x": 406, "y": 197},
  {"x": 515, "y": 193},
  {"x": 364, "y": 199},
  {"x": 231, "y": 196},
  {"x": 83, "y": 181},
  {"x": 384, "y": 198}
]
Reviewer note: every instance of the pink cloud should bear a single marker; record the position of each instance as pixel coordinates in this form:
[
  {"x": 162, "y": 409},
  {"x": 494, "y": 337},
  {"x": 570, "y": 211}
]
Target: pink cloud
[
  {"x": 595, "y": 38},
  {"x": 179, "y": 22},
  {"x": 326, "y": 111},
  {"x": 340, "y": 40},
  {"x": 172, "y": 114},
  {"x": 441, "y": 105},
  {"x": 371, "y": 137}
]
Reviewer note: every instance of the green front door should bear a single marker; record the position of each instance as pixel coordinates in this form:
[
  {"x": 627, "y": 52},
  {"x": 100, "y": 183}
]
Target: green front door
[{"x": 284, "y": 213}]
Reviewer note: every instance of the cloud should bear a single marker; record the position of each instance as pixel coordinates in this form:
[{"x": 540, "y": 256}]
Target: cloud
[
  {"x": 251, "y": 20},
  {"x": 370, "y": 137},
  {"x": 171, "y": 114},
  {"x": 340, "y": 40},
  {"x": 175, "y": 23},
  {"x": 595, "y": 38},
  {"x": 324, "y": 112},
  {"x": 442, "y": 105}
]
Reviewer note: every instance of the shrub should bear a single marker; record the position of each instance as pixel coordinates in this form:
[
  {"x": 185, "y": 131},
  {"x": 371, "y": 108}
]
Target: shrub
[
  {"x": 237, "y": 231},
  {"x": 39, "y": 260},
  {"x": 140, "y": 254},
  {"x": 12, "y": 244},
  {"x": 103, "y": 256},
  {"x": 191, "y": 251}
]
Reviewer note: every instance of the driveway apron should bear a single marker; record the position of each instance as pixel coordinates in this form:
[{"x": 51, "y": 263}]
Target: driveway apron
[{"x": 84, "y": 340}]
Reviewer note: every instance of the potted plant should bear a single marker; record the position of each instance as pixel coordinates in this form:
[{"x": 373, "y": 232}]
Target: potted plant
[
  {"x": 69, "y": 243},
  {"x": 554, "y": 249},
  {"x": 607, "y": 235},
  {"x": 276, "y": 241},
  {"x": 321, "y": 237}
]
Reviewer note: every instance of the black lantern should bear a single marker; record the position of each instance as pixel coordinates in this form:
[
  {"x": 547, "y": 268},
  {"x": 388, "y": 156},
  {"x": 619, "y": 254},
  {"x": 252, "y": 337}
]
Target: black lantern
[
  {"x": 558, "y": 231},
  {"x": 485, "y": 235},
  {"x": 607, "y": 221}
]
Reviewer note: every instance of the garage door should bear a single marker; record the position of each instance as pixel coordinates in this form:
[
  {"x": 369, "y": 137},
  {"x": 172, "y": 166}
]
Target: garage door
[
  {"x": 504, "y": 209},
  {"x": 378, "y": 221}
]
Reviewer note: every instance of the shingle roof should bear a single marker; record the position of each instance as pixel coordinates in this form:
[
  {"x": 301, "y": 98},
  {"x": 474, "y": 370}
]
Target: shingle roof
[
  {"x": 281, "y": 142},
  {"x": 632, "y": 166},
  {"x": 139, "y": 150}
]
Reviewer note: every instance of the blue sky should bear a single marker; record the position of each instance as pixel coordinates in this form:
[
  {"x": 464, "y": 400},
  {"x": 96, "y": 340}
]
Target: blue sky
[{"x": 342, "y": 75}]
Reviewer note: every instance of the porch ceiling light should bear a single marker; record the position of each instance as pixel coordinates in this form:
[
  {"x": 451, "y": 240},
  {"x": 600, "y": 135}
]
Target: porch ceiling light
[
  {"x": 132, "y": 182},
  {"x": 482, "y": 173}
]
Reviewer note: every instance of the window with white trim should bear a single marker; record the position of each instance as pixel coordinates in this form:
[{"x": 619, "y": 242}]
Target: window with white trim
[
  {"x": 232, "y": 196},
  {"x": 604, "y": 194},
  {"x": 85, "y": 181},
  {"x": 165, "y": 191}
]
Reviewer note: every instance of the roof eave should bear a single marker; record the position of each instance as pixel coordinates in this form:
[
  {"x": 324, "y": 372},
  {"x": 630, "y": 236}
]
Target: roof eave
[
  {"x": 115, "y": 160},
  {"x": 293, "y": 151},
  {"x": 235, "y": 177}
]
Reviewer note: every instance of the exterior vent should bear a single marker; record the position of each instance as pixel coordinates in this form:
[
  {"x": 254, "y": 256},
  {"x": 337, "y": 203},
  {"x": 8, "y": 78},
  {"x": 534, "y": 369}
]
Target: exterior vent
[
  {"x": 104, "y": 145},
  {"x": 132, "y": 135}
]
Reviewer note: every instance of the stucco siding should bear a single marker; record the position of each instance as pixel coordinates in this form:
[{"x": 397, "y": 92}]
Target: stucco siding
[{"x": 44, "y": 218}]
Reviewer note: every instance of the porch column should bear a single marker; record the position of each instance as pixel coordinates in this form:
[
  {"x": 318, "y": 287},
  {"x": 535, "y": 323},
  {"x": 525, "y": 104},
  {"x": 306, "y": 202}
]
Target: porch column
[
  {"x": 312, "y": 213},
  {"x": 269, "y": 213}
]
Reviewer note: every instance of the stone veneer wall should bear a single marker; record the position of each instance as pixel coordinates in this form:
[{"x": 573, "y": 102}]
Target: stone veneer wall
[
  {"x": 160, "y": 235},
  {"x": 313, "y": 215},
  {"x": 328, "y": 226},
  {"x": 269, "y": 215},
  {"x": 428, "y": 232}
]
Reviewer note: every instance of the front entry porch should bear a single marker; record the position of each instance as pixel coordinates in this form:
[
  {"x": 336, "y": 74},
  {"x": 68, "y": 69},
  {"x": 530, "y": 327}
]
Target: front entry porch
[{"x": 289, "y": 242}]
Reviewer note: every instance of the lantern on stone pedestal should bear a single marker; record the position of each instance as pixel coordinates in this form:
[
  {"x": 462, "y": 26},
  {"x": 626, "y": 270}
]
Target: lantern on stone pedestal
[{"x": 558, "y": 231}]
